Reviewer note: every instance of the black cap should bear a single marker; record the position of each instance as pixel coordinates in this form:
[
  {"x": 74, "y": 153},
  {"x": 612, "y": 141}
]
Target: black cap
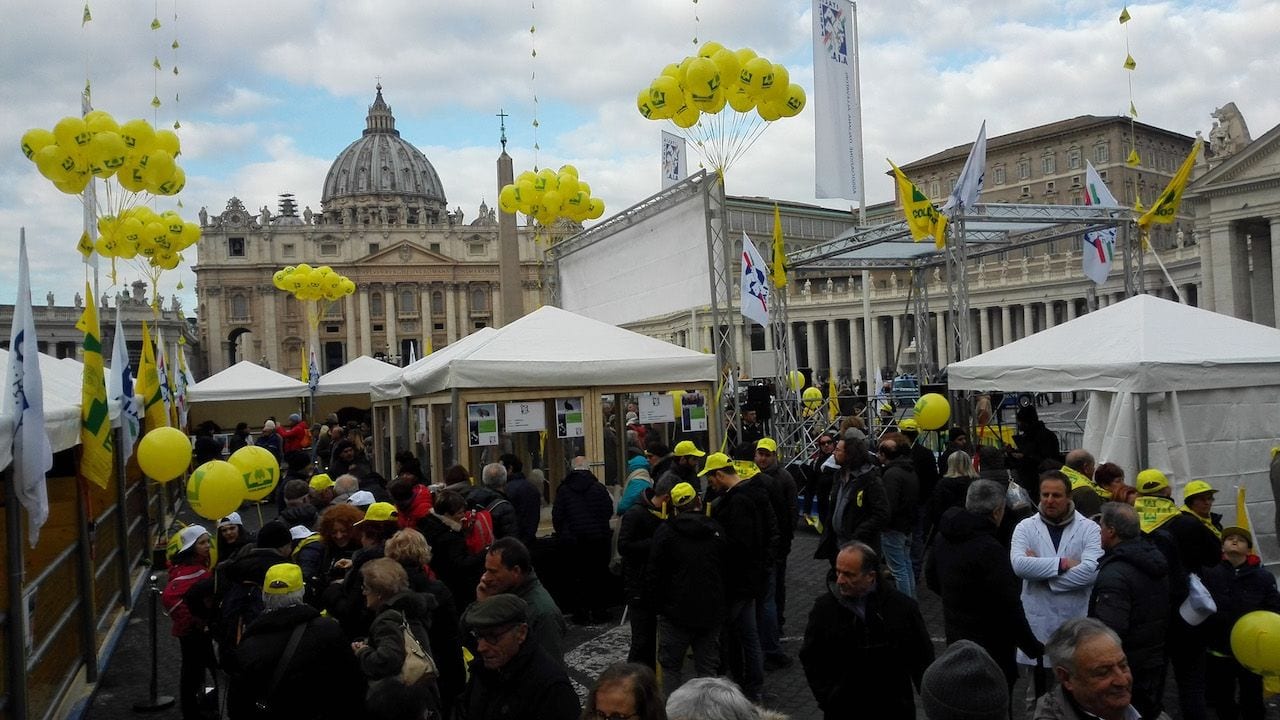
[{"x": 496, "y": 611}]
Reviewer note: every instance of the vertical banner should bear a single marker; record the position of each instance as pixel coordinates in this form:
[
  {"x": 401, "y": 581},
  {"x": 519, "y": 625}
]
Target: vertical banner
[
  {"x": 674, "y": 168},
  {"x": 569, "y": 417},
  {"x": 482, "y": 424},
  {"x": 837, "y": 115}
]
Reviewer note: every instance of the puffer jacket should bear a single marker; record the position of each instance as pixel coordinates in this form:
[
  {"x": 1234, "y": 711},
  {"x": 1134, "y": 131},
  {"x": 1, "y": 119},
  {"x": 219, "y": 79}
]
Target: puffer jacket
[
  {"x": 635, "y": 540},
  {"x": 419, "y": 505},
  {"x": 1131, "y": 595},
  {"x": 902, "y": 489},
  {"x": 582, "y": 508},
  {"x": 382, "y": 658},
  {"x": 684, "y": 577},
  {"x": 638, "y": 480},
  {"x": 1236, "y": 591},
  {"x": 863, "y": 516},
  {"x": 499, "y": 507}
]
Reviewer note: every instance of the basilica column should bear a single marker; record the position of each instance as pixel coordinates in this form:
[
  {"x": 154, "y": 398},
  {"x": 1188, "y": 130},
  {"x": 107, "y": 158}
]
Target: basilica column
[
  {"x": 877, "y": 350},
  {"x": 1262, "y": 295},
  {"x": 833, "y": 348},
  {"x": 1006, "y": 329},
  {"x": 217, "y": 344},
  {"x": 270, "y": 328},
  {"x": 450, "y": 311},
  {"x": 941, "y": 340},
  {"x": 1049, "y": 314},
  {"x": 1275, "y": 271},
  {"x": 1071, "y": 310},
  {"x": 897, "y": 343},
  {"x": 984, "y": 329},
  {"x": 1028, "y": 320},
  {"x": 811, "y": 344},
  {"x": 389, "y": 305},
  {"x": 424, "y": 316},
  {"x": 857, "y": 351},
  {"x": 366, "y": 326},
  {"x": 349, "y": 317}
]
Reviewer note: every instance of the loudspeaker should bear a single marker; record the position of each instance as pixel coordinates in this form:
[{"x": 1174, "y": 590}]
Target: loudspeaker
[{"x": 759, "y": 399}]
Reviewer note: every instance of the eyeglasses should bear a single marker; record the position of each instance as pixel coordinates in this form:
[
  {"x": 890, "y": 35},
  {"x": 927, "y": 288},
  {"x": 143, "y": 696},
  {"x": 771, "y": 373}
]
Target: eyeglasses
[
  {"x": 493, "y": 635},
  {"x": 824, "y": 442},
  {"x": 598, "y": 715}
]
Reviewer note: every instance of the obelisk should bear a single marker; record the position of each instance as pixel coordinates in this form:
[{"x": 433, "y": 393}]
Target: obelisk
[{"x": 508, "y": 242}]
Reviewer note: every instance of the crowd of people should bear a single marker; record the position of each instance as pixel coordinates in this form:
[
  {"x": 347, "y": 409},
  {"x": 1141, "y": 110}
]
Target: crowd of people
[{"x": 414, "y": 599}]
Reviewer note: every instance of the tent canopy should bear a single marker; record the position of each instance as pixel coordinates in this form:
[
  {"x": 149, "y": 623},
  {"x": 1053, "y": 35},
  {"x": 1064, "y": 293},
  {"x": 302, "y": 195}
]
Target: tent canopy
[
  {"x": 246, "y": 381},
  {"x": 1143, "y": 344},
  {"x": 62, "y": 381},
  {"x": 355, "y": 377},
  {"x": 397, "y": 385},
  {"x": 550, "y": 348}
]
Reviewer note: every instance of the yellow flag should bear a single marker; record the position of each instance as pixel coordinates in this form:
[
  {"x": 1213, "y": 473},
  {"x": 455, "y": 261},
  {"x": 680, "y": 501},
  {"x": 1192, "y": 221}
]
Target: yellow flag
[
  {"x": 1165, "y": 209},
  {"x": 1130, "y": 63},
  {"x": 87, "y": 15},
  {"x": 833, "y": 401},
  {"x": 305, "y": 376},
  {"x": 1242, "y": 512},
  {"x": 1133, "y": 158},
  {"x": 1124, "y": 16},
  {"x": 85, "y": 246},
  {"x": 426, "y": 350},
  {"x": 95, "y": 422},
  {"x": 1133, "y": 109},
  {"x": 779, "y": 273},
  {"x": 154, "y": 414},
  {"x": 922, "y": 217}
]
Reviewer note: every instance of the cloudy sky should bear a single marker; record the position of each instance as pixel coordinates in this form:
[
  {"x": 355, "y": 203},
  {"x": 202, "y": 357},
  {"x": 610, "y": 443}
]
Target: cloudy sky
[{"x": 268, "y": 93}]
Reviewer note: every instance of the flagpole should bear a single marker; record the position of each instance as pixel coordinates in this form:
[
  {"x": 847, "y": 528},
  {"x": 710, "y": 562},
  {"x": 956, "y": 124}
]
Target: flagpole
[
  {"x": 16, "y": 623},
  {"x": 868, "y": 353}
]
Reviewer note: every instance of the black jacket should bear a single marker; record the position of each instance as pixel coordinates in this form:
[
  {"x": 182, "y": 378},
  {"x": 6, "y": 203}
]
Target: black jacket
[
  {"x": 384, "y": 655},
  {"x": 442, "y": 630},
  {"x": 1236, "y": 591},
  {"x": 1131, "y": 595},
  {"x": 527, "y": 501},
  {"x": 926, "y": 465},
  {"x": 860, "y": 667},
  {"x": 635, "y": 539},
  {"x": 322, "y": 651},
  {"x": 902, "y": 489},
  {"x": 948, "y": 493},
  {"x": 685, "y": 573},
  {"x": 582, "y": 508},
  {"x": 981, "y": 597},
  {"x": 782, "y": 498},
  {"x": 864, "y": 516},
  {"x": 1198, "y": 546},
  {"x": 751, "y": 530},
  {"x": 1036, "y": 445},
  {"x": 500, "y": 508},
  {"x": 459, "y": 570},
  {"x": 531, "y": 686}
]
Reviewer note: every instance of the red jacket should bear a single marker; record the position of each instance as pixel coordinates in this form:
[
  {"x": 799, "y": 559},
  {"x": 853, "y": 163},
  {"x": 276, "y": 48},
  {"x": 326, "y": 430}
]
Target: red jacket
[
  {"x": 295, "y": 438},
  {"x": 182, "y": 578},
  {"x": 419, "y": 507}
]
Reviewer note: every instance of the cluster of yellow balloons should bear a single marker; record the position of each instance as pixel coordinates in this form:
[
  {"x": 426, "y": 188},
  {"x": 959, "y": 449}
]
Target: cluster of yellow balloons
[
  {"x": 217, "y": 487},
  {"x": 548, "y": 195},
  {"x": 140, "y": 231},
  {"x": 77, "y": 150},
  {"x": 307, "y": 283},
  {"x": 718, "y": 76}
]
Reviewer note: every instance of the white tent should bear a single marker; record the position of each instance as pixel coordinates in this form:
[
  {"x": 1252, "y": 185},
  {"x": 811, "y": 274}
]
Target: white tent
[
  {"x": 1211, "y": 384},
  {"x": 244, "y": 392},
  {"x": 355, "y": 377},
  {"x": 550, "y": 348},
  {"x": 62, "y": 382}
]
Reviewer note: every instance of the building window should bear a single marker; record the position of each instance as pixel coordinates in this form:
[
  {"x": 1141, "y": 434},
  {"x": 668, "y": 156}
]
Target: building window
[
  {"x": 1024, "y": 169},
  {"x": 434, "y": 247},
  {"x": 1026, "y": 191},
  {"x": 997, "y": 175},
  {"x": 334, "y": 310},
  {"x": 1049, "y": 164},
  {"x": 437, "y": 303},
  {"x": 374, "y": 247},
  {"x": 290, "y": 306},
  {"x": 1073, "y": 159},
  {"x": 377, "y": 327},
  {"x": 1102, "y": 174},
  {"x": 235, "y": 247},
  {"x": 407, "y": 303},
  {"x": 1101, "y": 153},
  {"x": 239, "y": 307},
  {"x": 1050, "y": 186},
  {"x": 375, "y": 304},
  {"x": 438, "y": 326},
  {"x": 288, "y": 250},
  {"x": 475, "y": 248},
  {"x": 1075, "y": 181},
  {"x": 934, "y": 188},
  {"x": 479, "y": 300},
  {"x": 328, "y": 248}
]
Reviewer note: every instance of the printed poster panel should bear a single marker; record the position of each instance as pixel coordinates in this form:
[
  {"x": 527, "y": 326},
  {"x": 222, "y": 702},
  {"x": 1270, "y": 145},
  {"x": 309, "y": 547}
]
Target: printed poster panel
[
  {"x": 526, "y": 416},
  {"x": 569, "y": 417},
  {"x": 482, "y": 424},
  {"x": 655, "y": 408},
  {"x": 693, "y": 413}
]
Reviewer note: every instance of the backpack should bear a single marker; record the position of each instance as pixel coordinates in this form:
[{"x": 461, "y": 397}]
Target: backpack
[
  {"x": 477, "y": 528},
  {"x": 241, "y": 605}
]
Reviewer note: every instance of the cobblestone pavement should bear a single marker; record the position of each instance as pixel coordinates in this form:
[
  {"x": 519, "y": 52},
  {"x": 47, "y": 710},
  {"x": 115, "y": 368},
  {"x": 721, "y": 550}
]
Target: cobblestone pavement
[{"x": 594, "y": 647}]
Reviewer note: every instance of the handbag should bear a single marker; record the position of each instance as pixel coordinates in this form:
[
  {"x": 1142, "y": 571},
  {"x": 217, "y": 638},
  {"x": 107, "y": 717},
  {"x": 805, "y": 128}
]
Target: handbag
[
  {"x": 1199, "y": 604},
  {"x": 418, "y": 663}
]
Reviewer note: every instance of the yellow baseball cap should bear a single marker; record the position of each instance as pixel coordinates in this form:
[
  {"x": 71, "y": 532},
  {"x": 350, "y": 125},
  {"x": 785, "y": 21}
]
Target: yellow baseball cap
[
  {"x": 682, "y": 494},
  {"x": 685, "y": 448},
  {"x": 380, "y": 512},
  {"x": 768, "y": 444},
  {"x": 718, "y": 461},
  {"x": 1151, "y": 481},
  {"x": 909, "y": 425},
  {"x": 320, "y": 482},
  {"x": 282, "y": 578},
  {"x": 1197, "y": 487}
]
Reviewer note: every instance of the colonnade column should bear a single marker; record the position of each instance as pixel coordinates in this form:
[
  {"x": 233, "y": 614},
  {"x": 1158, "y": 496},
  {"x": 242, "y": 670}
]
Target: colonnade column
[
  {"x": 897, "y": 343},
  {"x": 349, "y": 315},
  {"x": 941, "y": 339},
  {"x": 1028, "y": 320},
  {"x": 984, "y": 329},
  {"x": 1006, "y": 330},
  {"x": 1275, "y": 271},
  {"x": 424, "y": 316},
  {"x": 877, "y": 350},
  {"x": 857, "y": 349},
  {"x": 833, "y": 348},
  {"x": 389, "y": 305},
  {"x": 450, "y": 312},
  {"x": 1049, "y": 314},
  {"x": 366, "y": 325}
]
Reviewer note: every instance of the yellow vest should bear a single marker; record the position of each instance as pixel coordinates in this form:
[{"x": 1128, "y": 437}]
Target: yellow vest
[{"x": 1154, "y": 511}]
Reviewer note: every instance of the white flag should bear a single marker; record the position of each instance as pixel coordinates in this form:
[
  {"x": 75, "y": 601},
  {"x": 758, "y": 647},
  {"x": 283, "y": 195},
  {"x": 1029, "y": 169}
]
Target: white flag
[
  {"x": 964, "y": 196},
  {"x": 182, "y": 380},
  {"x": 755, "y": 284},
  {"x": 837, "y": 113},
  {"x": 162, "y": 370},
  {"x": 120, "y": 389},
  {"x": 413, "y": 352},
  {"x": 24, "y": 402},
  {"x": 674, "y": 168},
  {"x": 1099, "y": 245}
]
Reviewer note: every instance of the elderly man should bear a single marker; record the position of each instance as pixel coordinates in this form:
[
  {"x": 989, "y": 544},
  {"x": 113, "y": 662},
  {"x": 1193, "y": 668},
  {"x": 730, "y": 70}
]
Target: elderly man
[
  {"x": 508, "y": 568},
  {"x": 866, "y": 644},
  {"x": 1092, "y": 672},
  {"x": 512, "y": 676},
  {"x": 1056, "y": 553},
  {"x": 1079, "y": 467},
  {"x": 1131, "y": 596}
]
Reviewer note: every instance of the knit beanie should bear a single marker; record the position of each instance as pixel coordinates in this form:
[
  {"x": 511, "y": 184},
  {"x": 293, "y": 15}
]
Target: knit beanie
[{"x": 964, "y": 683}]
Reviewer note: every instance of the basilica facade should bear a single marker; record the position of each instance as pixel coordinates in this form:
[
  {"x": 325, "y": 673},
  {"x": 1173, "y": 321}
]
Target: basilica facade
[{"x": 425, "y": 275}]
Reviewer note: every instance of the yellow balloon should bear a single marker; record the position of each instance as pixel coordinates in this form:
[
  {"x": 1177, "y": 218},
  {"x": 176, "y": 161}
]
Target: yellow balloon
[
  {"x": 769, "y": 111},
  {"x": 71, "y": 132},
  {"x": 932, "y": 411},
  {"x": 665, "y": 96},
  {"x": 702, "y": 81},
  {"x": 729, "y": 66},
  {"x": 709, "y": 49},
  {"x": 740, "y": 100},
  {"x": 795, "y": 380},
  {"x": 1255, "y": 641},
  {"x": 35, "y": 140},
  {"x": 812, "y": 397},
  {"x": 777, "y": 90},
  {"x": 643, "y": 104},
  {"x": 54, "y": 163},
  {"x": 744, "y": 55},
  {"x": 164, "y": 453},
  {"x": 570, "y": 169},
  {"x": 100, "y": 121},
  {"x": 794, "y": 102},
  {"x": 215, "y": 489},
  {"x": 130, "y": 178},
  {"x": 507, "y": 199},
  {"x": 595, "y": 209},
  {"x": 138, "y": 135},
  {"x": 74, "y": 184},
  {"x": 159, "y": 167},
  {"x": 167, "y": 140},
  {"x": 754, "y": 74},
  {"x": 259, "y": 470},
  {"x": 686, "y": 116},
  {"x": 107, "y": 153},
  {"x": 174, "y": 184}
]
